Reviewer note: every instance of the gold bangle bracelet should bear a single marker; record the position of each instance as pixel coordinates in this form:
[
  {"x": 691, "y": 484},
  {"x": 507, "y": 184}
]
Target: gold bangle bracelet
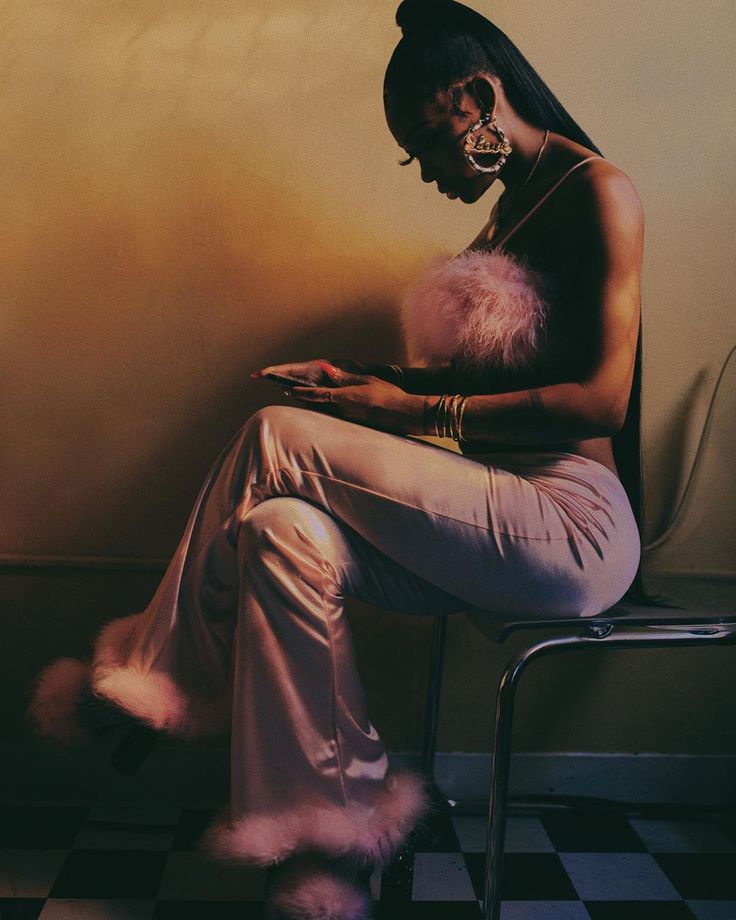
[
  {"x": 453, "y": 416},
  {"x": 460, "y": 420},
  {"x": 452, "y": 430},
  {"x": 399, "y": 374},
  {"x": 438, "y": 415},
  {"x": 446, "y": 415}
]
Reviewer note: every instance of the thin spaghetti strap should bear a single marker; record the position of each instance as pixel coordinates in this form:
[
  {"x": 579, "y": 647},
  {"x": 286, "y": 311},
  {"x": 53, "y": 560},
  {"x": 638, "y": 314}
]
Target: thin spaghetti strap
[{"x": 544, "y": 197}]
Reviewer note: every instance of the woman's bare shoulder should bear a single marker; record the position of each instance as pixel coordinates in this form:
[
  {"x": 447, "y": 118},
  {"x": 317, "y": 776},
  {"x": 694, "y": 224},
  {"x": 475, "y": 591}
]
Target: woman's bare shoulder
[{"x": 611, "y": 193}]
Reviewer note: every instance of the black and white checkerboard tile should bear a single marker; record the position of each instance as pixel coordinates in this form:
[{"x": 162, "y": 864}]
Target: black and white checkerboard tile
[{"x": 136, "y": 864}]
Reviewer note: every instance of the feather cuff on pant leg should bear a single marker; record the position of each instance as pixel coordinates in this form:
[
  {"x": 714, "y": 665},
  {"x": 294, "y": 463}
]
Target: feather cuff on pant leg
[
  {"x": 367, "y": 833},
  {"x": 153, "y": 696},
  {"x": 56, "y": 693}
]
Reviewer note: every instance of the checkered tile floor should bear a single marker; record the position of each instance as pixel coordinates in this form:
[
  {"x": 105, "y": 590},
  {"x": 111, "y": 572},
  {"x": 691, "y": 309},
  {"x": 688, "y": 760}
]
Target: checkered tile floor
[{"x": 134, "y": 864}]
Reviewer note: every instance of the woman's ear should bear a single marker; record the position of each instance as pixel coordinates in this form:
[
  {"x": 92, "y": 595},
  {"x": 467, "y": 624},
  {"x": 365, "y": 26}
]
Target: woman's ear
[{"x": 484, "y": 90}]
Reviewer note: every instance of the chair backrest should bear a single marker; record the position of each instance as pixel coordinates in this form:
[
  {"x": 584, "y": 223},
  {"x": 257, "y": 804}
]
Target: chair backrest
[{"x": 701, "y": 535}]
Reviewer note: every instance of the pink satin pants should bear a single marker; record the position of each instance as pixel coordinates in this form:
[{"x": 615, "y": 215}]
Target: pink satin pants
[{"x": 301, "y": 510}]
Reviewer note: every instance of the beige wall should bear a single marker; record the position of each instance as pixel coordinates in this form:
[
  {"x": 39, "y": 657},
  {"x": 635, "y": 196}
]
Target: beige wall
[{"x": 191, "y": 190}]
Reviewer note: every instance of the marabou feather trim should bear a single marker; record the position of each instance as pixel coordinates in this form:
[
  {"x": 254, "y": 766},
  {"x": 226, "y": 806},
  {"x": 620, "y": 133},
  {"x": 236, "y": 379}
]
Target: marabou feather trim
[
  {"x": 56, "y": 692},
  {"x": 305, "y": 888},
  {"x": 486, "y": 309},
  {"x": 368, "y": 833},
  {"x": 153, "y": 696}
]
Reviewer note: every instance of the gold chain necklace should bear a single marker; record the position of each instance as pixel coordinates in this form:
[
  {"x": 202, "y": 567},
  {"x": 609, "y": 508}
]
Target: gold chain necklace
[
  {"x": 539, "y": 157},
  {"x": 531, "y": 171}
]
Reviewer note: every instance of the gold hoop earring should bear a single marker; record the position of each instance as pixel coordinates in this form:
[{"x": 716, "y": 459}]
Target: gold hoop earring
[{"x": 480, "y": 145}]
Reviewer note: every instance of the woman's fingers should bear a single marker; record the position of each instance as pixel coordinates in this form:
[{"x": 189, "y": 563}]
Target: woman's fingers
[
  {"x": 299, "y": 369},
  {"x": 345, "y": 364},
  {"x": 311, "y": 372},
  {"x": 319, "y": 372}
]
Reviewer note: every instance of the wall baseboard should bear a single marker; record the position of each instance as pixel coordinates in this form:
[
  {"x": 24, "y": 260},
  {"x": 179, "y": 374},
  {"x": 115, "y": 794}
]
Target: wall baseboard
[
  {"x": 651, "y": 779},
  {"x": 178, "y": 774}
]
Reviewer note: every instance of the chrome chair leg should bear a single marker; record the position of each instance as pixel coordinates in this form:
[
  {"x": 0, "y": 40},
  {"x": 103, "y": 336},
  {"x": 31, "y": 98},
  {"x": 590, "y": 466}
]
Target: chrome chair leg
[
  {"x": 434, "y": 690},
  {"x": 501, "y": 764},
  {"x": 498, "y": 795}
]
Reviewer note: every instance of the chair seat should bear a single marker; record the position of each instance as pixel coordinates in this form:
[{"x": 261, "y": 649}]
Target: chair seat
[{"x": 696, "y": 600}]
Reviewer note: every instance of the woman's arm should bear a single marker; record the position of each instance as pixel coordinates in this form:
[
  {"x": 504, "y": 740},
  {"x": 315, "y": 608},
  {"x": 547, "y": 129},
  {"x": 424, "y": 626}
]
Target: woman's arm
[
  {"x": 423, "y": 380},
  {"x": 552, "y": 414}
]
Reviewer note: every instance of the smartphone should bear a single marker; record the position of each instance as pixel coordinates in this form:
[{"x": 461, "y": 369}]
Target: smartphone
[{"x": 288, "y": 381}]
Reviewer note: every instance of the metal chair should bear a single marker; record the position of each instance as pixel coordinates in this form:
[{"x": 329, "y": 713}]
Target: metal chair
[{"x": 706, "y": 616}]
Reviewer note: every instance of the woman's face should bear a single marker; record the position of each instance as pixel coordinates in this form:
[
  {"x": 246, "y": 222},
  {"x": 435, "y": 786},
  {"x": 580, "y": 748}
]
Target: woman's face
[{"x": 433, "y": 133}]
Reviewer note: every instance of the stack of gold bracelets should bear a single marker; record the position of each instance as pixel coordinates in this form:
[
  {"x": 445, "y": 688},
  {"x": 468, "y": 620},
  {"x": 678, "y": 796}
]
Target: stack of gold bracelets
[
  {"x": 448, "y": 412},
  {"x": 448, "y": 417}
]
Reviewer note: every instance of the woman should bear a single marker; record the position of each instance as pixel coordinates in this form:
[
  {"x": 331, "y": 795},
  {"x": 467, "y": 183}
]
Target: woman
[{"x": 328, "y": 498}]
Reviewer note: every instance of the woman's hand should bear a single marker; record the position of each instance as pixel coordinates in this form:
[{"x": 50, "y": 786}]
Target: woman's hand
[
  {"x": 313, "y": 373},
  {"x": 365, "y": 399}
]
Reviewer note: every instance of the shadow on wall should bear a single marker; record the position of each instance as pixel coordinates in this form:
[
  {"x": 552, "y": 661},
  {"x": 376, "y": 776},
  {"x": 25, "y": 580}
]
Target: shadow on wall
[
  {"x": 143, "y": 291},
  {"x": 668, "y": 457}
]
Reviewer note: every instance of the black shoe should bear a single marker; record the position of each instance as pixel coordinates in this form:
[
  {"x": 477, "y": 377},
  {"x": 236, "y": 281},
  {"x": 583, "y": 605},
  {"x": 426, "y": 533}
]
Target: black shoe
[
  {"x": 134, "y": 748},
  {"x": 98, "y": 716}
]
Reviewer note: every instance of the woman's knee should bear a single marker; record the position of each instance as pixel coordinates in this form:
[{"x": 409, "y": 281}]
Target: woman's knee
[
  {"x": 273, "y": 420},
  {"x": 296, "y": 531}
]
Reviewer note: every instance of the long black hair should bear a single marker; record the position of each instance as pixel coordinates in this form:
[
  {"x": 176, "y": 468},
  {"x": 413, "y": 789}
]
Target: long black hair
[{"x": 443, "y": 44}]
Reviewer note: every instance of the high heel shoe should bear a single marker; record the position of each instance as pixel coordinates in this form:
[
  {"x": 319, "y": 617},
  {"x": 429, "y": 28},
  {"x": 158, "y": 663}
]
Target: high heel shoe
[
  {"x": 99, "y": 716},
  {"x": 312, "y": 886}
]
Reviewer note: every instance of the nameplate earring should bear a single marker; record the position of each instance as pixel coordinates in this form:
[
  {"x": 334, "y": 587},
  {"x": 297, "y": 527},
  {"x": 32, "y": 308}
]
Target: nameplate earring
[{"x": 478, "y": 144}]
